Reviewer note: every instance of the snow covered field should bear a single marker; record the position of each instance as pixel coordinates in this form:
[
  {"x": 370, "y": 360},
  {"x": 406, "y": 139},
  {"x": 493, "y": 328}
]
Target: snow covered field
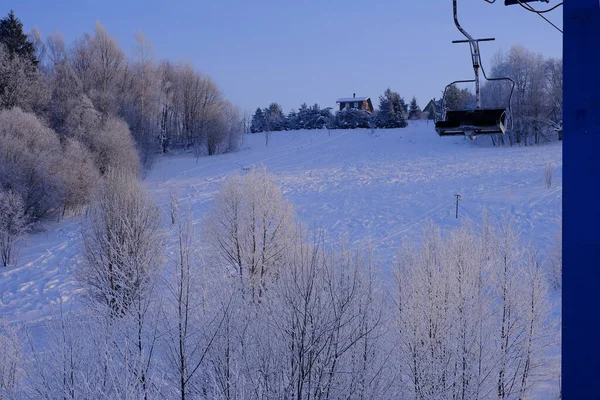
[{"x": 379, "y": 186}]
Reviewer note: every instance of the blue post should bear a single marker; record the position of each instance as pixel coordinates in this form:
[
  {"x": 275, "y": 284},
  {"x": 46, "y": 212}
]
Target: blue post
[{"x": 581, "y": 199}]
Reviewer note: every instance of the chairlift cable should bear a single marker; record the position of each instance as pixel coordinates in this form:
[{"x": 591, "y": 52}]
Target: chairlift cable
[{"x": 531, "y": 9}]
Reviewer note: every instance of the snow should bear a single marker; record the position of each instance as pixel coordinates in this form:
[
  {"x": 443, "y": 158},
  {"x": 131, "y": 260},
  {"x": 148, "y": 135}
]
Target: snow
[
  {"x": 351, "y": 99},
  {"x": 379, "y": 187}
]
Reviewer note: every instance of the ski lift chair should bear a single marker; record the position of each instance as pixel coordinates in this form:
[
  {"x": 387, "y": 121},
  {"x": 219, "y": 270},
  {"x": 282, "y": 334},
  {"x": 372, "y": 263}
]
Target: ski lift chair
[{"x": 478, "y": 120}]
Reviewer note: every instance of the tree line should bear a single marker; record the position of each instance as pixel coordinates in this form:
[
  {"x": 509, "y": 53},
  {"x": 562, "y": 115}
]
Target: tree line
[
  {"x": 70, "y": 114},
  {"x": 393, "y": 112},
  {"x": 250, "y": 304}
]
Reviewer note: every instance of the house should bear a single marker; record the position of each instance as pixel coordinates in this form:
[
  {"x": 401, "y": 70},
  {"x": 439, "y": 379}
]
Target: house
[
  {"x": 431, "y": 108},
  {"x": 362, "y": 103}
]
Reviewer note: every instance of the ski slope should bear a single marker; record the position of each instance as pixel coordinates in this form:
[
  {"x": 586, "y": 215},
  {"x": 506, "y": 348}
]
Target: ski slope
[{"x": 376, "y": 186}]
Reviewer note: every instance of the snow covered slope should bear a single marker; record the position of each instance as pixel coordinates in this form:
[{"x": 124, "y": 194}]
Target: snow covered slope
[{"x": 379, "y": 186}]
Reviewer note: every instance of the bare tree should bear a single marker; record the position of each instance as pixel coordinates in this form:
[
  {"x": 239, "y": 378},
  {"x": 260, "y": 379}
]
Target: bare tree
[
  {"x": 107, "y": 71},
  {"x": 13, "y": 224},
  {"x": 38, "y": 45},
  {"x": 140, "y": 104},
  {"x": 55, "y": 48}
]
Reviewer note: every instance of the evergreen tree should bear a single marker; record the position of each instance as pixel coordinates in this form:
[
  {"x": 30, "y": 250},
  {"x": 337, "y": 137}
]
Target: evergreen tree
[
  {"x": 258, "y": 121},
  {"x": 325, "y": 117},
  {"x": 392, "y": 111},
  {"x": 303, "y": 116},
  {"x": 456, "y": 98},
  {"x": 291, "y": 121},
  {"x": 415, "y": 111},
  {"x": 352, "y": 118},
  {"x": 15, "y": 40},
  {"x": 274, "y": 117},
  {"x": 403, "y": 106}
]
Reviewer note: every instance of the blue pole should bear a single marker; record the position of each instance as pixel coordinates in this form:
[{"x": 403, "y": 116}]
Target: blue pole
[{"x": 581, "y": 199}]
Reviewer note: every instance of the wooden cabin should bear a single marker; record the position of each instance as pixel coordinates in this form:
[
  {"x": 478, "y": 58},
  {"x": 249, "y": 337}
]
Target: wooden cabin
[{"x": 362, "y": 103}]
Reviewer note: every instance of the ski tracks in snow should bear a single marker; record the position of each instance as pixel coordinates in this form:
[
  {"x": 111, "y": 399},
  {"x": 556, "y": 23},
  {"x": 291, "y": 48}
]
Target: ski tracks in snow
[{"x": 379, "y": 188}]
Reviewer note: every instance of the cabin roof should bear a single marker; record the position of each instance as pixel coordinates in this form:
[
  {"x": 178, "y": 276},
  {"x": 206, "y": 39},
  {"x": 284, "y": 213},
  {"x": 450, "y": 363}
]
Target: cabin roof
[{"x": 351, "y": 99}]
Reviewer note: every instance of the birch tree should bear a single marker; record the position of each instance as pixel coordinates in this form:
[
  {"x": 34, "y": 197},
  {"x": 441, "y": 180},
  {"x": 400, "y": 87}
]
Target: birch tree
[
  {"x": 472, "y": 316},
  {"x": 250, "y": 227},
  {"x": 122, "y": 244}
]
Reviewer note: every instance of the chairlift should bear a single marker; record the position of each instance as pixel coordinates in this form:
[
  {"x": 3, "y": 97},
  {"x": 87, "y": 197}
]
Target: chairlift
[{"x": 471, "y": 121}]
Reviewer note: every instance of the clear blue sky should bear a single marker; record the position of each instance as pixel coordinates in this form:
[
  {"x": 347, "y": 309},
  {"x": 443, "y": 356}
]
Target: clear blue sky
[{"x": 310, "y": 51}]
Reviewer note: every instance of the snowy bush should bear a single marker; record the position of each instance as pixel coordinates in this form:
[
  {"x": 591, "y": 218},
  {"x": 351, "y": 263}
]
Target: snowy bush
[
  {"x": 30, "y": 155},
  {"x": 352, "y": 118},
  {"x": 114, "y": 148},
  {"x": 79, "y": 176}
]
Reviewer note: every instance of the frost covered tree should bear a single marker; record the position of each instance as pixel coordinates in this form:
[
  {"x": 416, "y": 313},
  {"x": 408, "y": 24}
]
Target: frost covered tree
[
  {"x": 192, "y": 313},
  {"x": 250, "y": 227},
  {"x": 30, "y": 154},
  {"x": 140, "y": 105},
  {"x": 79, "y": 175},
  {"x": 13, "y": 224},
  {"x": 66, "y": 92},
  {"x": 123, "y": 260},
  {"x": 21, "y": 84},
  {"x": 536, "y": 104},
  {"x": 122, "y": 245},
  {"x": 473, "y": 316},
  {"x": 113, "y": 147},
  {"x": 326, "y": 314},
  {"x": 12, "y": 365}
]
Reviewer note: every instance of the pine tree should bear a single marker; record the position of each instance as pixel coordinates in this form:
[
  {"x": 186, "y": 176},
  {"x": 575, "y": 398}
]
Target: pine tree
[
  {"x": 404, "y": 107},
  {"x": 258, "y": 121},
  {"x": 415, "y": 111},
  {"x": 291, "y": 121},
  {"x": 15, "y": 40},
  {"x": 275, "y": 117},
  {"x": 392, "y": 111},
  {"x": 303, "y": 116},
  {"x": 456, "y": 98}
]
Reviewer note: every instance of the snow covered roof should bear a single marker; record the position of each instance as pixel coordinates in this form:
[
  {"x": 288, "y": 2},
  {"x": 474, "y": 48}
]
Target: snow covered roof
[{"x": 350, "y": 99}]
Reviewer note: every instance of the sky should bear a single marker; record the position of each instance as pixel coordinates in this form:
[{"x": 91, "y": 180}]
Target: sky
[{"x": 309, "y": 51}]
